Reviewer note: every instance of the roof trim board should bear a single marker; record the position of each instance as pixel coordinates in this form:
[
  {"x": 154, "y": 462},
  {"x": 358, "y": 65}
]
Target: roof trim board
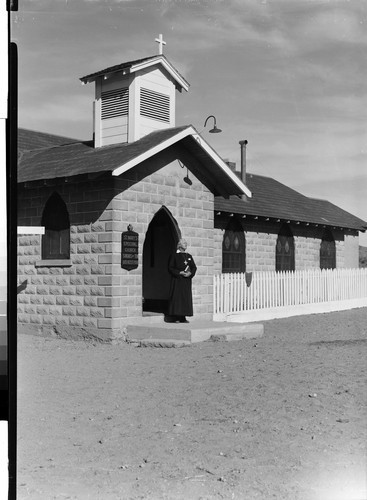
[
  {"x": 134, "y": 66},
  {"x": 189, "y": 131},
  {"x": 208, "y": 149},
  {"x": 200, "y": 170},
  {"x": 168, "y": 66},
  {"x": 149, "y": 153}
]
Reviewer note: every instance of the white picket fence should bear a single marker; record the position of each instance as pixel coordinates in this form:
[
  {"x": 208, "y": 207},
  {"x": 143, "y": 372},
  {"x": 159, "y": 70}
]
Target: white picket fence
[{"x": 272, "y": 290}]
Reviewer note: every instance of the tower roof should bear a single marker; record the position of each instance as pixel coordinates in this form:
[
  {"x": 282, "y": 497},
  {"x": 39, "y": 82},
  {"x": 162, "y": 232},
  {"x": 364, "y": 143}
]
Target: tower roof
[{"x": 140, "y": 64}]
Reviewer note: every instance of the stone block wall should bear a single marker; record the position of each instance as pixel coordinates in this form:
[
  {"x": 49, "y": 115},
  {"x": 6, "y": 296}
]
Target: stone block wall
[
  {"x": 192, "y": 206},
  {"x": 217, "y": 250},
  {"x": 75, "y": 295},
  {"x": 260, "y": 251},
  {"x": 351, "y": 250},
  {"x": 261, "y": 237},
  {"x": 307, "y": 252},
  {"x": 92, "y": 294}
]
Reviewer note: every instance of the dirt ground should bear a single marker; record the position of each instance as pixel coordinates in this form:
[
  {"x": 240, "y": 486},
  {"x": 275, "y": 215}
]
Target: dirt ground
[{"x": 281, "y": 417}]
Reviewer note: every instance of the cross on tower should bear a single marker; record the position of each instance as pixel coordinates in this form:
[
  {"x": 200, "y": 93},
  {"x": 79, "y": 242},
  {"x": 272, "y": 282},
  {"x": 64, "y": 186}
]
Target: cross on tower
[{"x": 161, "y": 43}]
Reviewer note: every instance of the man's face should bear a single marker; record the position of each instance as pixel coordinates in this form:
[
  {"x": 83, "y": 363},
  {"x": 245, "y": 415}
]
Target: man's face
[{"x": 183, "y": 245}]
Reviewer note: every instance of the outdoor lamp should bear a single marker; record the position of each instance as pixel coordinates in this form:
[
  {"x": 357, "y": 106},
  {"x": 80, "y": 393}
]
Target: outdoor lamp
[{"x": 215, "y": 129}]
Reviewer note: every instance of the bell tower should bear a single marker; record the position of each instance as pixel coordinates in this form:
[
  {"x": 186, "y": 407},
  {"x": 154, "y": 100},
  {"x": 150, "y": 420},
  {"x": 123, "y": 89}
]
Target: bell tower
[{"x": 134, "y": 98}]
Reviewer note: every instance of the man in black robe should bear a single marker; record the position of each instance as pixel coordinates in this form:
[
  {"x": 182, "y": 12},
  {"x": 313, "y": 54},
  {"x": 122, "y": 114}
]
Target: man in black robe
[{"x": 182, "y": 268}]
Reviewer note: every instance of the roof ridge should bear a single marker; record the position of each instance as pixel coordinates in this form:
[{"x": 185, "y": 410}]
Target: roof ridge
[
  {"x": 45, "y": 133},
  {"x": 125, "y": 64},
  {"x": 54, "y": 146}
]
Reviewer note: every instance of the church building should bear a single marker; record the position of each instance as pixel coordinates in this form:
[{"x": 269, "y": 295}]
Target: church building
[{"x": 98, "y": 220}]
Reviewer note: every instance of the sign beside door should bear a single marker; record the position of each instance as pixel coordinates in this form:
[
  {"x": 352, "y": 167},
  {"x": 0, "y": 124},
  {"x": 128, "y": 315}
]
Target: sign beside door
[{"x": 129, "y": 249}]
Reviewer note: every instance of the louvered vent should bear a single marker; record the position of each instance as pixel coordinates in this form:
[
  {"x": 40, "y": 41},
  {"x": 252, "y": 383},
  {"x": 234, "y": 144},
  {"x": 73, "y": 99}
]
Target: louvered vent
[
  {"x": 154, "y": 105},
  {"x": 115, "y": 103}
]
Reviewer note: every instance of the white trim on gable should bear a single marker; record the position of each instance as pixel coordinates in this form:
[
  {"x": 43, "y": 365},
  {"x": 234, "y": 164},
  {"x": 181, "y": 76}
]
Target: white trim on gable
[
  {"x": 173, "y": 140},
  {"x": 221, "y": 163},
  {"x": 171, "y": 70},
  {"x": 151, "y": 152}
]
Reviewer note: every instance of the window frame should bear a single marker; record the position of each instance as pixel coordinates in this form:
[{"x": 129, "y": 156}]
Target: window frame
[
  {"x": 56, "y": 238},
  {"x": 285, "y": 259},
  {"x": 327, "y": 243},
  {"x": 233, "y": 260}
]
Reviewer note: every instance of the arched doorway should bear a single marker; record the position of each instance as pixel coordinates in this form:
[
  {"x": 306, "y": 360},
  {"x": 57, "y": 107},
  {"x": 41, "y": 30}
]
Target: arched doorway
[{"x": 160, "y": 241}]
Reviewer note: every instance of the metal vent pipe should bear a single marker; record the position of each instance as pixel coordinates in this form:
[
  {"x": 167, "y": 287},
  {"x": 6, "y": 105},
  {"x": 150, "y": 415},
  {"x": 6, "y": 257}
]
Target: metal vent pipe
[{"x": 243, "y": 145}]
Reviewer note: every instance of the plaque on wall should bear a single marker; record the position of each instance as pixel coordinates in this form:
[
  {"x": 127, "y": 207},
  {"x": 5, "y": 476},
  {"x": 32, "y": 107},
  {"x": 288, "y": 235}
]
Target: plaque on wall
[{"x": 129, "y": 249}]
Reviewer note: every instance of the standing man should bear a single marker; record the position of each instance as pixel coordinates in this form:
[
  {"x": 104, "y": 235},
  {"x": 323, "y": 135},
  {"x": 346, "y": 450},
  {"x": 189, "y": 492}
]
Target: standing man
[{"x": 182, "y": 267}]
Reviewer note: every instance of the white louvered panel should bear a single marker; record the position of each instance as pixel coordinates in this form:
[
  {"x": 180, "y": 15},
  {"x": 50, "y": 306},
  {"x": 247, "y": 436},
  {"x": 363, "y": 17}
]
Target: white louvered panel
[
  {"x": 154, "y": 105},
  {"x": 115, "y": 103}
]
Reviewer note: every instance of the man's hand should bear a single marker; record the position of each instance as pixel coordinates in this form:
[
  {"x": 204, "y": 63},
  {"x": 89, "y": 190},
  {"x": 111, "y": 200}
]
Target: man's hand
[{"x": 185, "y": 274}]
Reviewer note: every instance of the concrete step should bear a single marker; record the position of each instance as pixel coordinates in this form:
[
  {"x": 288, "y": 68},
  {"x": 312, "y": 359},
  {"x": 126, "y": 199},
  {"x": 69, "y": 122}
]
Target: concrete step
[
  {"x": 195, "y": 331},
  {"x": 148, "y": 319}
]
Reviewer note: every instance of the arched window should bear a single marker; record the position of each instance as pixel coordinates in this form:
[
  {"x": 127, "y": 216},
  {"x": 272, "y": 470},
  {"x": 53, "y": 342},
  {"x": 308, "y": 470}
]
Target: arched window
[
  {"x": 284, "y": 253},
  {"x": 234, "y": 249},
  {"x": 55, "y": 219},
  {"x": 327, "y": 251}
]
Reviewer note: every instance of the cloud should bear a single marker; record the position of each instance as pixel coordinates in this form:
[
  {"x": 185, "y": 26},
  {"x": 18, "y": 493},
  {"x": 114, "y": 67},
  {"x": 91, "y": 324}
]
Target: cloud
[
  {"x": 335, "y": 24},
  {"x": 52, "y": 115},
  {"x": 231, "y": 24}
]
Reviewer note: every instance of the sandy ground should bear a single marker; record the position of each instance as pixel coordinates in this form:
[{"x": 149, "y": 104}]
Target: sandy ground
[{"x": 281, "y": 417}]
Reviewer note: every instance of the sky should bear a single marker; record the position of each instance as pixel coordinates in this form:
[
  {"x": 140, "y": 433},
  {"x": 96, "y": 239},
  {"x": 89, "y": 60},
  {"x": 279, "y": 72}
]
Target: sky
[{"x": 289, "y": 76}]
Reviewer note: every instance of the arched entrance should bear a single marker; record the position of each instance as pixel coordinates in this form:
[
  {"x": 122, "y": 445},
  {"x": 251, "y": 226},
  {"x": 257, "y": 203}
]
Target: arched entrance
[{"x": 160, "y": 241}]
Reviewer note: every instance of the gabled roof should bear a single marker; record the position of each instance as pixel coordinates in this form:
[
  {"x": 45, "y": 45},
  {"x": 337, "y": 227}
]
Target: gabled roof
[
  {"x": 82, "y": 158},
  {"x": 139, "y": 64},
  {"x": 272, "y": 199},
  {"x": 45, "y": 156},
  {"x": 29, "y": 140}
]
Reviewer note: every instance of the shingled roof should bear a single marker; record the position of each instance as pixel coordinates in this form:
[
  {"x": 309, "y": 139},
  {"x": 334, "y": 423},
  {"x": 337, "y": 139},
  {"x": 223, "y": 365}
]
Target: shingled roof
[
  {"x": 44, "y": 156},
  {"x": 80, "y": 158},
  {"x": 272, "y": 199},
  {"x": 29, "y": 140}
]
